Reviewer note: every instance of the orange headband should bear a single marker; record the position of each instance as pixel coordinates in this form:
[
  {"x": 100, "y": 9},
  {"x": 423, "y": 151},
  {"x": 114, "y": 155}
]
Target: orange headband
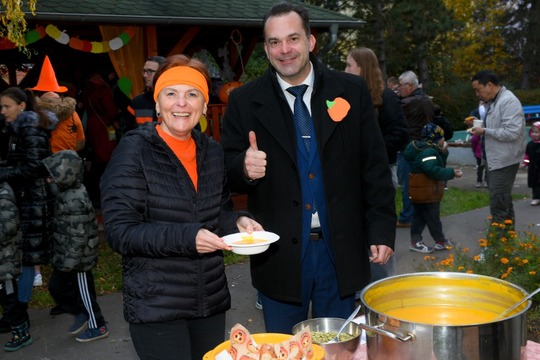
[{"x": 182, "y": 75}]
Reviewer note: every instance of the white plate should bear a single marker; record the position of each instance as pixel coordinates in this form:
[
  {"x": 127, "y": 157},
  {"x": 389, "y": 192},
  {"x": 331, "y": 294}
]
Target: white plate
[{"x": 247, "y": 248}]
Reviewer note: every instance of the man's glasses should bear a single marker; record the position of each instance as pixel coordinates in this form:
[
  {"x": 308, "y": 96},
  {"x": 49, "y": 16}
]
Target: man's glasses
[{"x": 149, "y": 71}]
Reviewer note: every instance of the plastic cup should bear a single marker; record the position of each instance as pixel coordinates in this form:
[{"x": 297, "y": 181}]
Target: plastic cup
[{"x": 478, "y": 123}]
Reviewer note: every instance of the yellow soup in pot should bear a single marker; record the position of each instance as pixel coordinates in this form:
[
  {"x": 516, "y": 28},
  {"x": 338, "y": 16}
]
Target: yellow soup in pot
[{"x": 442, "y": 315}]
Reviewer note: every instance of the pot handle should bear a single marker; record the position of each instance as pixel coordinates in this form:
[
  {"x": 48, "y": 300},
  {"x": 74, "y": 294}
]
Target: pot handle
[{"x": 380, "y": 331}]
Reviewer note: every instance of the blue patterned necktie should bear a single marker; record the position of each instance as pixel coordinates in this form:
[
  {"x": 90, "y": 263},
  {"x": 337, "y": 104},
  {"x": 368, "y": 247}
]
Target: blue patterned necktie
[
  {"x": 301, "y": 113},
  {"x": 303, "y": 120}
]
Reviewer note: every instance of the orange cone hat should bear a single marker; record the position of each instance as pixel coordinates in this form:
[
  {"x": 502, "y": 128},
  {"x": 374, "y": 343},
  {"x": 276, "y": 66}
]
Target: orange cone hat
[{"x": 47, "y": 79}]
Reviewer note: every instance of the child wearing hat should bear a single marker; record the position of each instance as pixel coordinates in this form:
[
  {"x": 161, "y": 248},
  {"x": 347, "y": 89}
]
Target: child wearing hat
[{"x": 428, "y": 156}]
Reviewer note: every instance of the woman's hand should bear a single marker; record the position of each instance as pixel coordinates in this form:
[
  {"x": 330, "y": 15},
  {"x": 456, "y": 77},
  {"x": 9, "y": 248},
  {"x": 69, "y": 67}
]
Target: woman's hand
[
  {"x": 248, "y": 225},
  {"x": 207, "y": 242}
]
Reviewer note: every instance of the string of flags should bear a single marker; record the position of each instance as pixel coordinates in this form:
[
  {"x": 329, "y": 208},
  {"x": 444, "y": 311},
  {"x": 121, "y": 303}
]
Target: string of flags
[{"x": 63, "y": 38}]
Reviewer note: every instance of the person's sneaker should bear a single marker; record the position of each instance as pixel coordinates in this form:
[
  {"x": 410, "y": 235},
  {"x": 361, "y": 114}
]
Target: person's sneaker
[
  {"x": 93, "y": 334},
  {"x": 81, "y": 321},
  {"x": 420, "y": 247},
  {"x": 485, "y": 184},
  {"x": 38, "y": 280},
  {"x": 478, "y": 184},
  {"x": 446, "y": 245},
  {"x": 535, "y": 202}
]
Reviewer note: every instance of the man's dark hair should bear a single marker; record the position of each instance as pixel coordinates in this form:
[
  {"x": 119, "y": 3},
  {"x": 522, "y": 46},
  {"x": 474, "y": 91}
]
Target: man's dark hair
[
  {"x": 158, "y": 59},
  {"x": 485, "y": 76},
  {"x": 284, "y": 8}
]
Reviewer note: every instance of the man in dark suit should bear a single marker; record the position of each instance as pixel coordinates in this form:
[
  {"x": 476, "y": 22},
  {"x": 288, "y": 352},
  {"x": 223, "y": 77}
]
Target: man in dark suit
[{"x": 331, "y": 200}]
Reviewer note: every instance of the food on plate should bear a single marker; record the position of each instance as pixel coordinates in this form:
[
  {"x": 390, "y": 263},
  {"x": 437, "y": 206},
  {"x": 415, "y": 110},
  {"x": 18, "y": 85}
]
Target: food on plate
[
  {"x": 239, "y": 336},
  {"x": 248, "y": 240},
  {"x": 250, "y": 243},
  {"x": 244, "y": 347},
  {"x": 322, "y": 337},
  {"x": 469, "y": 120}
]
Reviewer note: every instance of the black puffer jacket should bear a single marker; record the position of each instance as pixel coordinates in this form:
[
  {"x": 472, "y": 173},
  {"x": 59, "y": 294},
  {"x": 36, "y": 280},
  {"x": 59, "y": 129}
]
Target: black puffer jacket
[
  {"x": 151, "y": 215},
  {"x": 25, "y": 172}
]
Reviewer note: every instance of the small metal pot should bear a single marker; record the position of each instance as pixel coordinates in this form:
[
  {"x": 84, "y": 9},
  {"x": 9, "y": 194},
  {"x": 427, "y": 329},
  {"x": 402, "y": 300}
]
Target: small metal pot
[
  {"x": 342, "y": 350},
  {"x": 390, "y": 337}
]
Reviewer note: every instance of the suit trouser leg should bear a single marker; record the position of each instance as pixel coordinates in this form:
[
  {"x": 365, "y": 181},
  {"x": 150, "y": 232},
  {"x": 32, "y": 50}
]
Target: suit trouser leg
[{"x": 319, "y": 290}]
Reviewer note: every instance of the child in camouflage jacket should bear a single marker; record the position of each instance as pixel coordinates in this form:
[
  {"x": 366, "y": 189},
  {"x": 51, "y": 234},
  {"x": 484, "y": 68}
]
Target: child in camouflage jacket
[
  {"x": 75, "y": 247},
  {"x": 15, "y": 314}
]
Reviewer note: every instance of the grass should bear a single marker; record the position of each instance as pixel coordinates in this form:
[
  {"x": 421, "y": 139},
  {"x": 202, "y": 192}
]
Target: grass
[{"x": 108, "y": 272}]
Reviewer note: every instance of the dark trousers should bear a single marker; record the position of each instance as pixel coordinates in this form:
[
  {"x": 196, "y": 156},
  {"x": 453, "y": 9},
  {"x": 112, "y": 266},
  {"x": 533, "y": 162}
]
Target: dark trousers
[
  {"x": 179, "y": 339},
  {"x": 536, "y": 192},
  {"x": 481, "y": 172},
  {"x": 14, "y": 312},
  {"x": 427, "y": 214},
  {"x": 76, "y": 294},
  {"x": 500, "y": 186},
  {"x": 403, "y": 168}
]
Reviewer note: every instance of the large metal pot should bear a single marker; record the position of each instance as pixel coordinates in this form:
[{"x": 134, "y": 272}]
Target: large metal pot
[{"x": 443, "y": 335}]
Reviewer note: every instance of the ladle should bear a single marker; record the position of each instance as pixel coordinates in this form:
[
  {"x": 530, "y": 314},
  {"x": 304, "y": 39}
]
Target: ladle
[
  {"x": 507, "y": 311},
  {"x": 349, "y": 319}
]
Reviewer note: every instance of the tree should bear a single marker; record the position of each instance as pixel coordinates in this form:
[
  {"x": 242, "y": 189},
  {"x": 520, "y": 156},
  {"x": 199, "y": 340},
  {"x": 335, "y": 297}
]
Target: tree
[
  {"x": 478, "y": 42},
  {"x": 419, "y": 28},
  {"x": 522, "y": 37},
  {"x": 405, "y": 34},
  {"x": 13, "y": 24}
]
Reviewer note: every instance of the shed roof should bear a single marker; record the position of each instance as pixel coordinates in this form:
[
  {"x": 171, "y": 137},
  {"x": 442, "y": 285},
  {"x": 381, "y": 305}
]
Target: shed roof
[{"x": 176, "y": 12}]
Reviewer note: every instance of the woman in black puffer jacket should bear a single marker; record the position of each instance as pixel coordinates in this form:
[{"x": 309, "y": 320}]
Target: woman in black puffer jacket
[
  {"x": 28, "y": 129},
  {"x": 165, "y": 202}
]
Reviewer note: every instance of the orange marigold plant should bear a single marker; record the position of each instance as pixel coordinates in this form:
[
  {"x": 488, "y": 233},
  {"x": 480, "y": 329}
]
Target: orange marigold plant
[{"x": 504, "y": 253}]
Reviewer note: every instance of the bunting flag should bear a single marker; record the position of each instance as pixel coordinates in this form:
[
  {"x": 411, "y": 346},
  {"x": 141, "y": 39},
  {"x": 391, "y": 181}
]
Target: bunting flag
[{"x": 63, "y": 38}]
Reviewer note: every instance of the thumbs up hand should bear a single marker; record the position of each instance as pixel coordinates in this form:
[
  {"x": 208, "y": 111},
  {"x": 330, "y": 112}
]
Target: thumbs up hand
[{"x": 255, "y": 160}]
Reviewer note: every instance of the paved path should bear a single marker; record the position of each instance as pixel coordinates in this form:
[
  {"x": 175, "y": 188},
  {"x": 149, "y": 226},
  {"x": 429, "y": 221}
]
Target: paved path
[{"x": 52, "y": 342}]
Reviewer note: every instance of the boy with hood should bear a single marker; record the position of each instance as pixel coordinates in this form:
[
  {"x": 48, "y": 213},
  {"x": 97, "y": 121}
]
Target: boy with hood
[
  {"x": 69, "y": 133},
  {"x": 75, "y": 247},
  {"x": 428, "y": 156}
]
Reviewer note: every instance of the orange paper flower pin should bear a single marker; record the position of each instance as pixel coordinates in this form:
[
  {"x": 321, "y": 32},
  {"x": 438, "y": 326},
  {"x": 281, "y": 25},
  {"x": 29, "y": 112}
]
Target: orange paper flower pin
[{"x": 338, "y": 109}]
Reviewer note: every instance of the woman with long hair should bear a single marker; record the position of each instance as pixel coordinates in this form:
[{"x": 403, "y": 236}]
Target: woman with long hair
[
  {"x": 28, "y": 128},
  {"x": 392, "y": 122}
]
